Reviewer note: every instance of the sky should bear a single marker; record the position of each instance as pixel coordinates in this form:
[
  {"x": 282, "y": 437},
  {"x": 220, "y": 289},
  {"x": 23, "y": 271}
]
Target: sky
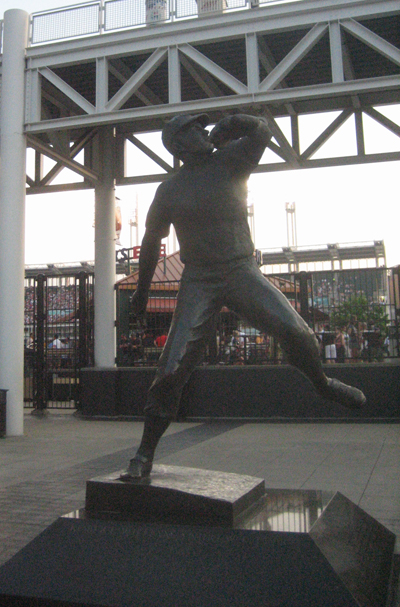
[{"x": 349, "y": 204}]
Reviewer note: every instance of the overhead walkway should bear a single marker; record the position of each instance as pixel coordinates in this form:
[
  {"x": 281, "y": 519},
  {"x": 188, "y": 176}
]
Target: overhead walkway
[{"x": 279, "y": 59}]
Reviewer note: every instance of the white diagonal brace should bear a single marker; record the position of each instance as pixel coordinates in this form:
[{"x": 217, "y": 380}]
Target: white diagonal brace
[
  {"x": 74, "y": 151},
  {"x": 215, "y": 70},
  {"x": 294, "y": 57},
  {"x": 38, "y": 145},
  {"x": 202, "y": 78},
  {"x": 383, "y": 120},
  {"x": 65, "y": 88},
  {"x": 372, "y": 40},
  {"x": 152, "y": 155},
  {"x": 117, "y": 68},
  {"x": 267, "y": 59},
  {"x": 134, "y": 82},
  {"x": 277, "y": 150},
  {"x": 287, "y": 151},
  {"x": 326, "y": 134}
]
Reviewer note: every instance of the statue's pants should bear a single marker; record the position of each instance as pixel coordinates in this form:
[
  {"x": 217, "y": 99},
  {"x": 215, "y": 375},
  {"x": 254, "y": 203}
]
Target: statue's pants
[{"x": 241, "y": 287}]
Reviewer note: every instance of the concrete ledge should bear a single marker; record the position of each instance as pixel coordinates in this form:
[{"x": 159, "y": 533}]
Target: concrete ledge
[{"x": 276, "y": 393}]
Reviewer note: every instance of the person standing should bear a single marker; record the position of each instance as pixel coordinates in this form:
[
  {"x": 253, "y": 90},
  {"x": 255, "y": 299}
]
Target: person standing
[{"x": 340, "y": 346}]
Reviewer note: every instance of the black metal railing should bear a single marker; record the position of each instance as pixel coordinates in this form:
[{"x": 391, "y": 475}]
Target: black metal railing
[
  {"x": 356, "y": 311},
  {"x": 58, "y": 338},
  {"x": 59, "y": 326}
]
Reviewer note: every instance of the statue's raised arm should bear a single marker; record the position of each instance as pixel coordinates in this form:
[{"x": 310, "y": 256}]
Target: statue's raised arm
[
  {"x": 254, "y": 131},
  {"x": 149, "y": 256}
]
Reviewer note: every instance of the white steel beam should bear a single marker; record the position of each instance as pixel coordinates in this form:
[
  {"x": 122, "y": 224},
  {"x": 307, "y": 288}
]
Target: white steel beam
[
  {"x": 326, "y": 134},
  {"x": 268, "y": 61},
  {"x": 288, "y": 152},
  {"x": 359, "y": 133},
  {"x": 383, "y": 120},
  {"x": 41, "y": 147},
  {"x": 372, "y": 40},
  {"x": 73, "y": 151},
  {"x": 274, "y": 167},
  {"x": 152, "y": 155},
  {"x": 123, "y": 73},
  {"x": 12, "y": 217},
  {"x": 59, "y": 141},
  {"x": 33, "y": 96},
  {"x": 104, "y": 272},
  {"x": 294, "y": 123},
  {"x": 335, "y": 40},
  {"x": 101, "y": 84},
  {"x": 60, "y": 187},
  {"x": 68, "y": 91},
  {"x": 203, "y": 78},
  {"x": 253, "y": 70},
  {"x": 134, "y": 82},
  {"x": 317, "y": 163},
  {"x": 174, "y": 75},
  {"x": 268, "y": 18},
  {"x": 215, "y": 70},
  {"x": 277, "y": 96},
  {"x": 294, "y": 57}
]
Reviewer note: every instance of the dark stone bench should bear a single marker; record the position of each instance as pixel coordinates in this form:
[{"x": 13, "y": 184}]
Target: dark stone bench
[{"x": 267, "y": 393}]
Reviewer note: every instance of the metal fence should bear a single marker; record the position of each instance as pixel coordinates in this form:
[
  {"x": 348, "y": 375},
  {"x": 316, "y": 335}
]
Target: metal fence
[
  {"x": 354, "y": 313},
  {"x": 93, "y": 18},
  {"x": 58, "y": 338}
]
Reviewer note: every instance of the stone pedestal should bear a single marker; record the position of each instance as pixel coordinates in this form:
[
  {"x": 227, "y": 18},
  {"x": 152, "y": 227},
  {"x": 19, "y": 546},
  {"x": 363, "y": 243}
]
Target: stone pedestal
[
  {"x": 194, "y": 538},
  {"x": 175, "y": 494}
]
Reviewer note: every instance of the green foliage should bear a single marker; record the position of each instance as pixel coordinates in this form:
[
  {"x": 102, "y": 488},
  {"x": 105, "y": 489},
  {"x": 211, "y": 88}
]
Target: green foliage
[{"x": 357, "y": 306}]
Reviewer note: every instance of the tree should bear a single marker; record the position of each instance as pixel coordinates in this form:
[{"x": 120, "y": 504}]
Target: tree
[{"x": 357, "y": 306}]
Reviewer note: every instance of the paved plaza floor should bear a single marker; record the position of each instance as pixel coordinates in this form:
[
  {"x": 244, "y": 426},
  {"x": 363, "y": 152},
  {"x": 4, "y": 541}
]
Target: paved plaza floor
[{"x": 43, "y": 473}]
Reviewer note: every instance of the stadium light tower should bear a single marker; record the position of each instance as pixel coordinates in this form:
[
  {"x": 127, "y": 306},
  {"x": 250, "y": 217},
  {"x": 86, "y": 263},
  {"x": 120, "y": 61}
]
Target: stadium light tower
[
  {"x": 134, "y": 222},
  {"x": 291, "y": 224}
]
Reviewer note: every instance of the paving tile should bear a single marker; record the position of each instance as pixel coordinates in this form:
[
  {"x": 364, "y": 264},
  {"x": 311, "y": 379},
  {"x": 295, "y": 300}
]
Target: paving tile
[{"x": 43, "y": 474}]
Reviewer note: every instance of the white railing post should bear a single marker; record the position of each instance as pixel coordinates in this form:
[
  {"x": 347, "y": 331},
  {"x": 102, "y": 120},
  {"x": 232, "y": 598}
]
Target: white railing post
[
  {"x": 102, "y": 17},
  {"x": 104, "y": 271},
  {"x": 12, "y": 216}
]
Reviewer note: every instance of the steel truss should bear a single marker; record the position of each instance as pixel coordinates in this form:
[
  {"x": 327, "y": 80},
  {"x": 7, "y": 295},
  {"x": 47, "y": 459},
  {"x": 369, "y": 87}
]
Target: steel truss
[{"x": 276, "y": 61}]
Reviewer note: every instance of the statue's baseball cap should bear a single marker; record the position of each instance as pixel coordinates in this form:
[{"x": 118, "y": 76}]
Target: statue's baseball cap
[{"x": 177, "y": 123}]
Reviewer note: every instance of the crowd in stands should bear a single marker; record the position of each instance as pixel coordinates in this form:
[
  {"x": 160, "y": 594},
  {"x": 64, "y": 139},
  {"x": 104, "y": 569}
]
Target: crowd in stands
[
  {"x": 231, "y": 348},
  {"x": 140, "y": 348},
  {"x": 60, "y": 299},
  {"x": 354, "y": 342}
]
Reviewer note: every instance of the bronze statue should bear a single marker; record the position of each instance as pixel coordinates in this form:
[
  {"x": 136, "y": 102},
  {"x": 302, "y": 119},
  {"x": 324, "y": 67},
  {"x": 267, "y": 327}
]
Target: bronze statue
[{"x": 206, "y": 201}]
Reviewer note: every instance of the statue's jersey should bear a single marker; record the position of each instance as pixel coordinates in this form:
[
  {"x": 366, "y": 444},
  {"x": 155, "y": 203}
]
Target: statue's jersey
[{"x": 206, "y": 201}]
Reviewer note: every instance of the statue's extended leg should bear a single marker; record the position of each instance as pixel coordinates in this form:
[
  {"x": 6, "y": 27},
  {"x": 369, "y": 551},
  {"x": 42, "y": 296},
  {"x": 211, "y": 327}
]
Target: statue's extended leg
[
  {"x": 266, "y": 308},
  {"x": 140, "y": 466},
  {"x": 303, "y": 352},
  {"x": 192, "y": 325}
]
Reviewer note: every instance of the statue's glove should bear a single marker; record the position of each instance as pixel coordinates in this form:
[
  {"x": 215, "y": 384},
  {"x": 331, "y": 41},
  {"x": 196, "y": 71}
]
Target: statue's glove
[
  {"x": 233, "y": 127},
  {"x": 138, "y": 303}
]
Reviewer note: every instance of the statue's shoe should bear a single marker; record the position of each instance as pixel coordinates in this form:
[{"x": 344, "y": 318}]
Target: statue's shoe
[
  {"x": 341, "y": 393},
  {"x": 139, "y": 467}
]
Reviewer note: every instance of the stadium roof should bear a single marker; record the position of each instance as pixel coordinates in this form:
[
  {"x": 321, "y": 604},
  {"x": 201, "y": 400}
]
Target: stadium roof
[{"x": 328, "y": 252}]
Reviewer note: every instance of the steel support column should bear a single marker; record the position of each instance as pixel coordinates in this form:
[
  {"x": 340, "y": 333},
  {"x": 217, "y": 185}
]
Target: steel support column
[
  {"x": 12, "y": 216},
  {"x": 104, "y": 322}
]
